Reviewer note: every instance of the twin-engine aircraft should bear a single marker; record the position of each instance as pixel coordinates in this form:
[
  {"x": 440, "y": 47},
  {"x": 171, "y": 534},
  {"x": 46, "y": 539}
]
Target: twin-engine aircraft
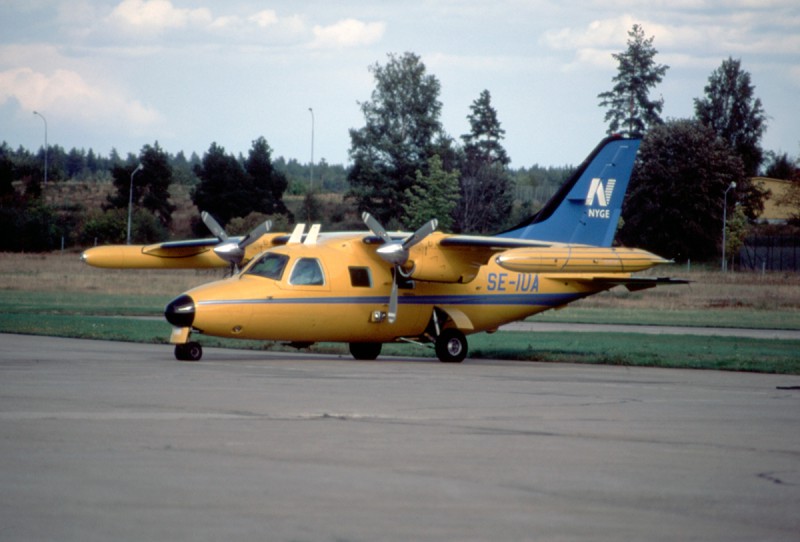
[{"x": 427, "y": 287}]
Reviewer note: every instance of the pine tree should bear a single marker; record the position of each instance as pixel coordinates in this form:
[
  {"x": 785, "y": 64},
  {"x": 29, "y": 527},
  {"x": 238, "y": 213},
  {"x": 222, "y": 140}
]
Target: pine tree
[
  {"x": 230, "y": 188},
  {"x": 150, "y": 184},
  {"x": 485, "y": 183},
  {"x": 268, "y": 184},
  {"x": 630, "y": 109}
]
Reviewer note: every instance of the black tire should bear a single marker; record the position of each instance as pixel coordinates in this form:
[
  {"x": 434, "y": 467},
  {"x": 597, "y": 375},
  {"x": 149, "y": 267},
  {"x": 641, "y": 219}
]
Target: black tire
[
  {"x": 188, "y": 352},
  {"x": 451, "y": 346},
  {"x": 366, "y": 351}
]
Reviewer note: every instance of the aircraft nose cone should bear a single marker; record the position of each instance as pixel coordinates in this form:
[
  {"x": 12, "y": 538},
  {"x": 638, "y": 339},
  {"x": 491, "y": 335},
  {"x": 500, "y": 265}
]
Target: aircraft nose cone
[{"x": 180, "y": 311}]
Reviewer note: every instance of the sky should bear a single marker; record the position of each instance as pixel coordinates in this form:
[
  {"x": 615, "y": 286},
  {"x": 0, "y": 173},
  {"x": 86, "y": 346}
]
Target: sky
[{"x": 122, "y": 74}]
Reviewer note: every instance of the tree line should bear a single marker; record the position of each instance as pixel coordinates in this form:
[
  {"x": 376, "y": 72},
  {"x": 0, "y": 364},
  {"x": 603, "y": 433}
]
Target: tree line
[{"x": 405, "y": 168}]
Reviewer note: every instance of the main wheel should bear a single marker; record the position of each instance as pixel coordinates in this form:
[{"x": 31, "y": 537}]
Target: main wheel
[
  {"x": 366, "y": 351},
  {"x": 188, "y": 352},
  {"x": 451, "y": 346}
]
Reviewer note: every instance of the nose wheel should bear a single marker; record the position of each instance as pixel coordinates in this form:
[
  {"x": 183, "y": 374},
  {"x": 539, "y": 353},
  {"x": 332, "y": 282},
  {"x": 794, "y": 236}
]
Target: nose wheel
[
  {"x": 188, "y": 352},
  {"x": 451, "y": 346}
]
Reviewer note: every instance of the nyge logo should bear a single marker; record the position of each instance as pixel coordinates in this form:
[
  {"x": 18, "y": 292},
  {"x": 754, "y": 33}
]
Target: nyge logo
[
  {"x": 596, "y": 191},
  {"x": 602, "y": 195}
]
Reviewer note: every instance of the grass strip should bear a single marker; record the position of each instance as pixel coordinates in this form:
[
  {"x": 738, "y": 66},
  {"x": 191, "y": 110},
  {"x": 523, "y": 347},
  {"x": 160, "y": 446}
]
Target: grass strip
[
  {"x": 746, "y": 319},
  {"x": 95, "y": 303},
  {"x": 629, "y": 349},
  {"x": 20, "y": 302}
]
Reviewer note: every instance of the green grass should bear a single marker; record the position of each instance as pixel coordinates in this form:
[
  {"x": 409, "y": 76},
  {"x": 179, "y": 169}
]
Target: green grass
[
  {"x": 23, "y": 302},
  {"x": 744, "y": 318},
  {"x": 630, "y": 349},
  {"x": 85, "y": 327}
]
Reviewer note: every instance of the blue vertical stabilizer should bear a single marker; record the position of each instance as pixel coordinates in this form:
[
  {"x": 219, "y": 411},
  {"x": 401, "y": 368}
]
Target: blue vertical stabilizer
[{"x": 586, "y": 209}]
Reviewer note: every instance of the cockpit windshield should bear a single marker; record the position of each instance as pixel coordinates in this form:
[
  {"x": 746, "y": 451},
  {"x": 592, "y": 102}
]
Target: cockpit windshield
[{"x": 270, "y": 266}]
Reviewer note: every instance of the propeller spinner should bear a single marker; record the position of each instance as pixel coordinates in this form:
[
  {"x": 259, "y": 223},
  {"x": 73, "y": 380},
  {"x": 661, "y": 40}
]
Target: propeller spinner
[
  {"x": 396, "y": 252},
  {"x": 232, "y": 250}
]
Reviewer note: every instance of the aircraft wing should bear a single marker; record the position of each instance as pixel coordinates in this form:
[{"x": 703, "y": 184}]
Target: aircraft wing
[
  {"x": 188, "y": 254},
  {"x": 452, "y": 258}
]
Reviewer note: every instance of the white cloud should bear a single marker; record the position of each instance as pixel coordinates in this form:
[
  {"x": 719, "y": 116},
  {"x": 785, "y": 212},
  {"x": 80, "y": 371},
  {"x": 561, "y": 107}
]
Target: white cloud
[
  {"x": 157, "y": 15},
  {"x": 688, "y": 35},
  {"x": 70, "y": 97},
  {"x": 162, "y": 24},
  {"x": 347, "y": 33},
  {"x": 264, "y": 18}
]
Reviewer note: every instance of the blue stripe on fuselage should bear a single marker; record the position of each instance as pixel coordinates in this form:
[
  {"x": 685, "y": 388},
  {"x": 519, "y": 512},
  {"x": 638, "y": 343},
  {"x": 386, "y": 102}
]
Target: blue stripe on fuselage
[{"x": 549, "y": 300}]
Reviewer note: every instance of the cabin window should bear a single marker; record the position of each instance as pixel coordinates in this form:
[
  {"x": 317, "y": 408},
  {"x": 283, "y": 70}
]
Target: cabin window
[
  {"x": 307, "y": 272},
  {"x": 360, "y": 277},
  {"x": 269, "y": 266}
]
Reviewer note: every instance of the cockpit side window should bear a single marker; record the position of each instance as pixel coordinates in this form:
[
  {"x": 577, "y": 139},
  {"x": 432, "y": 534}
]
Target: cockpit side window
[
  {"x": 270, "y": 266},
  {"x": 307, "y": 272}
]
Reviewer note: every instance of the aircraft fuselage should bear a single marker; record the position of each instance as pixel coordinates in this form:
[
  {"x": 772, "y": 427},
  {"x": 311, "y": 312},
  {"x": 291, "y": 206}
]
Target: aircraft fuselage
[{"x": 348, "y": 301}]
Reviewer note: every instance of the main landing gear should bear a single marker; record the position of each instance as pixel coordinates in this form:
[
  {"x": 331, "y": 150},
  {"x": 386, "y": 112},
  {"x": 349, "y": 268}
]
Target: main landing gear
[{"x": 450, "y": 346}]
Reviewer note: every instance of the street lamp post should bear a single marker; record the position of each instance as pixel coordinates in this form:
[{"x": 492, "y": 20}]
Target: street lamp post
[
  {"x": 311, "y": 171},
  {"x": 130, "y": 200},
  {"x": 45, "y": 145},
  {"x": 725, "y": 226}
]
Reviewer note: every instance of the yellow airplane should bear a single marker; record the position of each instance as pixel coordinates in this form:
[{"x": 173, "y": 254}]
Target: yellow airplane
[{"x": 425, "y": 287}]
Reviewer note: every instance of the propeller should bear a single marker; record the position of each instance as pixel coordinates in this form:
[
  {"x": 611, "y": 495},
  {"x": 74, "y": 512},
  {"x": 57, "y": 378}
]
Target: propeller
[
  {"x": 396, "y": 252},
  {"x": 229, "y": 249}
]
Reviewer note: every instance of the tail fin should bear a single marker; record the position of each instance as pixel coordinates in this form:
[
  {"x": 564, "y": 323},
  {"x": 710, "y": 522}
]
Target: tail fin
[{"x": 586, "y": 209}]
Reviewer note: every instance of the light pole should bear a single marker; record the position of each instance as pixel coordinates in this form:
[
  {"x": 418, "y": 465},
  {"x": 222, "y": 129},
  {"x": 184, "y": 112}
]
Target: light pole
[
  {"x": 45, "y": 145},
  {"x": 725, "y": 226},
  {"x": 311, "y": 171},
  {"x": 130, "y": 200}
]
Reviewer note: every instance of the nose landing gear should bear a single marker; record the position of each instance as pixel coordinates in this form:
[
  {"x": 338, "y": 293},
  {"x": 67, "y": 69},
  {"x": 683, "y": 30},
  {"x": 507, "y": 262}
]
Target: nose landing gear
[{"x": 191, "y": 351}]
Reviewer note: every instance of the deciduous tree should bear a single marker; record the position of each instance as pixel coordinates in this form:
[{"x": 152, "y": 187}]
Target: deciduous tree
[
  {"x": 675, "y": 200},
  {"x": 431, "y": 196},
  {"x": 402, "y": 132},
  {"x": 734, "y": 113}
]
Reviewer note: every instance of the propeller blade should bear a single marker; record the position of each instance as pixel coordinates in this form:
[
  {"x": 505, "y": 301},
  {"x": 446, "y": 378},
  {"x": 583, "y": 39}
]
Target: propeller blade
[
  {"x": 375, "y": 227},
  {"x": 426, "y": 229},
  {"x": 255, "y": 234},
  {"x": 391, "y": 315},
  {"x": 396, "y": 253},
  {"x": 228, "y": 249},
  {"x": 214, "y": 226}
]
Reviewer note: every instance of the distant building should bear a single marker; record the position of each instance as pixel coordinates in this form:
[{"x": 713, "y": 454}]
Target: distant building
[
  {"x": 772, "y": 249},
  {"x": 775, "y": 212}
]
